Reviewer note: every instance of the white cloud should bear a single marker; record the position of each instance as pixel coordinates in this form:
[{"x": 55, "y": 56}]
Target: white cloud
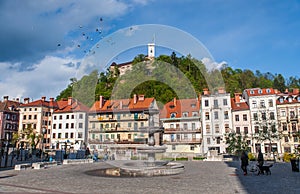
[
  {"x": 211, "y": 65},
  {"x": 47, "y": 78}
]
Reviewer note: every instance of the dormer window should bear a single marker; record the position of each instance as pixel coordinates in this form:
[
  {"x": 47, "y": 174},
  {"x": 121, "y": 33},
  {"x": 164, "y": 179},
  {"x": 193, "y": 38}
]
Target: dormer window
[
  {"x": 281, "y": 100},
  {"x": 268, "y": 90},
  {"x": 260, "y": 91},
  {"x": 298, "y": 98},
  {"x": 290, "y": 99},
  {"x": 173, "y": 115},
  {"x": 251, "y": 92},
  {"x": 185, "y": 114}
]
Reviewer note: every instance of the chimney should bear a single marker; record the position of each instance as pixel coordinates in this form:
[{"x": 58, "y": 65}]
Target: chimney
[
  {"x": 286, "y": 91},
  {"x": 141, "y": 97},
  {"x": 175, "y": 101},
  {"x": 43, "y": 98},
  {"x": 221, "y": 90},
  {"x": 70, "y": 100},
  {"x": 121, "y": 104},
  {"x": 295, "y": 90},
  {"x": 205, "y": 91},
  {"x": 26, "y": 100},
  {"x": 134, "y": 99},
  {"x": 51, "y": 99},
  {"x": 237, "y": 97},
  {"x": 101, "y": 101},
  {"x": 17, "y": 99},
  {"x": 5, "y": 98}
]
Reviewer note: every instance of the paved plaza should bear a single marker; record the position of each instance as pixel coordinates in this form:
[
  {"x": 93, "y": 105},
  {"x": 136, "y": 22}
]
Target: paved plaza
[{"x": 198, "y": 177}]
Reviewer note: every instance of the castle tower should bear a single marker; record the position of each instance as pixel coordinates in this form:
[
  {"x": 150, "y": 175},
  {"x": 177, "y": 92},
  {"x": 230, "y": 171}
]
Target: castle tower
[{"x": 151, "y": 50}]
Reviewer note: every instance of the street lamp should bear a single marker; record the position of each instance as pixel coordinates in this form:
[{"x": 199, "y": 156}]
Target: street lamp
[{"x": 44, "y": 130}]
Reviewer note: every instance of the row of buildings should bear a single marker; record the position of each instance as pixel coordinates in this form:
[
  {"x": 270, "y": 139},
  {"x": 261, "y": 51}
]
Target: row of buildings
[{"x": 265, "y": 118}]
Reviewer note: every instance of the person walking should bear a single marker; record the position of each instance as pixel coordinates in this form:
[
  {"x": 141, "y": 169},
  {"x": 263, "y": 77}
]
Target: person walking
[
  {"x": 244, "y": 161},
  {"x": 260, "y": 158}
]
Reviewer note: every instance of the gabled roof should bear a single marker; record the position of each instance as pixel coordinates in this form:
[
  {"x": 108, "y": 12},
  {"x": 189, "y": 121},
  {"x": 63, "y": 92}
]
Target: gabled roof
[
  {"x": 260, "y": 91},
  {"x": 285, "y": 98},
  {"x": 123, "y": 105},
  {"x": 7, "y": 104},
  {"x": 41, "y": 102},
  {"x": 70, "y": 105},
  {"x": 179, "y": 107},
  {"x": 238, "y": 106}
]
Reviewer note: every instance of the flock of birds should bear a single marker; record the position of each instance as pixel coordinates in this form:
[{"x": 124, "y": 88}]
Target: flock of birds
[{"x": 86, "y": 36}]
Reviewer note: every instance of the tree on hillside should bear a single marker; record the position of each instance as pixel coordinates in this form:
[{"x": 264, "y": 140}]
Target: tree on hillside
[{"x": 279, "y": 83}]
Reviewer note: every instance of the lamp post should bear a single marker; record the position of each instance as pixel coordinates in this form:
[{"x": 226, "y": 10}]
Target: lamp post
[{"x": 44, "y": 130}]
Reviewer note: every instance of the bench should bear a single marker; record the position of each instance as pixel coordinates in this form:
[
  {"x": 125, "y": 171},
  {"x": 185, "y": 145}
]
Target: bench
[
  {"x": 23, "y": 166},
  {"x": 39, "y": 165}
]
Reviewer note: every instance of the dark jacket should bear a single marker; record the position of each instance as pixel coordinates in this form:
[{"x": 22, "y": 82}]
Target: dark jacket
[{"x": 244, "y": 159}]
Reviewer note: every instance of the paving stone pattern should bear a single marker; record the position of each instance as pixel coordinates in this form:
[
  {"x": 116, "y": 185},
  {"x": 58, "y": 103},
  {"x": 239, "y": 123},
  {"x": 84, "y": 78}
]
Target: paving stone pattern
[{"x": 198, "y": 177}]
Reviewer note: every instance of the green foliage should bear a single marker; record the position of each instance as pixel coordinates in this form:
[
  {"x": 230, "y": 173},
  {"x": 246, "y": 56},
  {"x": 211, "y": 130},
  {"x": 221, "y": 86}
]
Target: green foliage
[
  {"x": 236, "y": 143},
  {"x": 167, "y": 77},
  {"x": 287, "y": 157}
]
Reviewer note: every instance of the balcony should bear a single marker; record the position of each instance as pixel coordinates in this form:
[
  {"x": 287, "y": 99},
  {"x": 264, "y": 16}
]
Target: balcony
[
  {"x": 184, "y": 141},
  {"x": 180, "y": 130}
]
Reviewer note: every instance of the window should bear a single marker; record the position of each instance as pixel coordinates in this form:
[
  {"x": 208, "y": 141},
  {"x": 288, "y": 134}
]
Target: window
[
  {"x": 72, "y": 135},
  {"x": 129, "y": 124},
  {"x": 286, "y": 139},
  {"x": 281, "y": 100},
  {"x": 173, "y": 115},
  {"x": 225, "y": 102},
  {"x": 80, "y": 116},
  {"x": 238, "y": 130},
  {"x": 216, "y": 104},
  {"x": 173, "y": 147},
  {"x": 272, "y": 116},
  {"x": 72, "y": 125},
  {"x": 292, "y": 114},
  {"x": 207, "y": 128},
  {"x": 294, "y": 127},
  {"x": 246, "y": 130},
  {"x": 256, "y": 129},
  {"x": 270, "y": 103},
  {"x": 262, "y": 104},
  {"x": 283, "y": 114},
  {"x": 207, "y": 116},
  {"x": 129, "y": 136},
  {"x": 254, "y": 104},
  {"x": 59, "y": 135},
  {"x": 142, "y": 124},
  {"x": 296, "y": 139},
  {"x": 206, "y": 103},
  {"x": 226, "y": 115},
  {"x": 54, "y": 126},
  {"x": 59, "y": 125},
  {"x": 217, "y": 128},
  {"x": 185, "y": 126},
  {"x": 34, "y": 116},
  {"x": 66, "y": 135},
  {"x": 251, "y": 91},
  {"x": 227, "y": 128},
  {"x": 67, "y": 117},
  {"x": 55, "y": 117},
  {"x": 193, "y": 126},
  {"x": 60, "y": 117},
  {"x": 263, "y": 116},
  {"x": 265, "y": 129},
  {"x": 208, "y": 140},
  {"x": 218, "y": 140},
  {"x": 80, "y": 135},
  {"x": 237, "y": 118},
  {"x": 195, "y": 114},
  {"x": 72, "y": 116},
  {"x": 67, "y": 125},
  {"x": 273, "y": 128},
  {"x": 24, "y": 117},
  {"x": 192, "y": 147},
  {"x": 260, "y": 91},
  {"x": 244, "y": 117},
  {"x": 216, "y": 115},
  {"x": 268, "y": 90},
  {"x": 284, "y": 127},
  {"x": 53, "y": 135}
]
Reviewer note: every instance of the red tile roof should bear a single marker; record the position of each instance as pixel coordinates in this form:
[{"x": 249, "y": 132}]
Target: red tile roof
[
  {"x": 122, "y": 105},
  {"x": 41, "y": 102},
  {"x": 70, "y": 105},
  {"x": 179, "y": 107},
  {"x": 286, "y": 96},
  {"x": 238, "y": 106},
  {"x": 260, "y": 92},
  {"x": 6, "y": 104}
]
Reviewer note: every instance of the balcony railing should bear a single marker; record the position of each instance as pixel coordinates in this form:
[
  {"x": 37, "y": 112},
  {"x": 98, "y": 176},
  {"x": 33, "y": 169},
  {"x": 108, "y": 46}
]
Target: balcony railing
[{"x": 184, "y": 141}]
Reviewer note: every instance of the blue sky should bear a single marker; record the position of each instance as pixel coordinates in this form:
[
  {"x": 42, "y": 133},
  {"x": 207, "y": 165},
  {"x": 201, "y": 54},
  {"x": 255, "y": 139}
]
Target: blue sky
[{"x": 257, "y": 35}]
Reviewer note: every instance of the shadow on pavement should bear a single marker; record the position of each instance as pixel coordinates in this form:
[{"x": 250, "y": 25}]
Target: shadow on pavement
[{"x": 281, "y": 180}]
